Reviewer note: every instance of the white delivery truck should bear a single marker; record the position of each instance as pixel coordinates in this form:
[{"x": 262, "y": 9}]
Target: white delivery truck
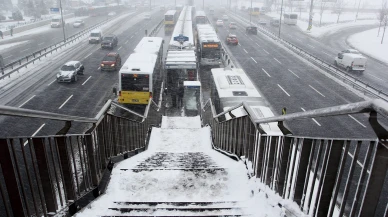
[
  {"x": 56, "y": 22},
  {"x": 351, "y": 62}
]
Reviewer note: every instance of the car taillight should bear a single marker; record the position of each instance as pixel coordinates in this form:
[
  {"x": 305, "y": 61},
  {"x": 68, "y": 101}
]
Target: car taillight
[
  {"x": 352, "y": 64},
  {"x": 150, "y": 95},
  {"x": 120, "y": 93}
]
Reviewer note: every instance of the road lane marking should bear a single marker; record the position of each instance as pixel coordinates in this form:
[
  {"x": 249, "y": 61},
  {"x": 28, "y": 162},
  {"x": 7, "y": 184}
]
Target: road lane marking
[
  {"x": 51, "y": 82},
  {"x": 245, "y": 34},
  {"x": 126, "y": 41},
  {"x": 88, "y": 55},
  {"x": 317, "y": 91},
  {"x": 239, "y": 43},
  {"x": 277, "y": 60},
  {"x": 266, "y": 72},
  {"x": 99, "y": 68},
  {"x": 358, "y": 162},
  {"x": 298, "y": 39},
  {"x": 86, "y": 80},
  {"x": 24, "y": 50},
  {"x": 376, "y": 77},
  {"x": 293, "y": 73},
  {"x": 132, "y": 36},
  {"x": 265, "y": 51},
  {"x": 313, "y": 118},
  {"x": 41, "y": 43},
  {"x": 257, "y": 44},
  {"x": 251, "y": 39},
  {"x": 120, "y": 48},
  {"x": 36, "y": 132},
  {"x": 65, "y": 102},
  {"x": 7, "y": 57},
  {"x": 357, "y": 121},
  {"x": 26, "y": 101},
  {"x": 283, "y": 90},
  {"x": 310, "y": 46},
  {"x": 326, "y": 53},
  {"x": 245, "y": 51},
  {"x": 253, "y": 59}
]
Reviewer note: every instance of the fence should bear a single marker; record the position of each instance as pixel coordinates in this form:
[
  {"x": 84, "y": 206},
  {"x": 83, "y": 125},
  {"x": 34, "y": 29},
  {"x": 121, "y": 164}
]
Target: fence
[
  {"x": 322, "y": 175},
  {"x": 51, "y": 175},
  {"x": 356, "y": 83}
]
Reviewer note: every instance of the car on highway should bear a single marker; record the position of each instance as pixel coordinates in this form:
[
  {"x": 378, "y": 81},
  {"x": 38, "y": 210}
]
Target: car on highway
[
  {"x": 274, "y": 22},
  {"x": 69, "y": 71},
  {"x": 225, "y": 17},
  {"x": 351, "y": 62},
  {"x": 220, "y": 23},
  {"x": 112, "y": 14},
  {"x": 78, "y": 23},
  {"x": 109, "y": 41},
  {"x": 251, "y": 30},
  {"x": 232, "y": 25},
  {"x": 231, "y": 39},
  {"x": 57, "y": 22},
  {"x": 147, "y": 16},
  {"x": 111, "y": 62},
  {"x": 95, "y": 36},
  {"x": 263, "y": 22}
]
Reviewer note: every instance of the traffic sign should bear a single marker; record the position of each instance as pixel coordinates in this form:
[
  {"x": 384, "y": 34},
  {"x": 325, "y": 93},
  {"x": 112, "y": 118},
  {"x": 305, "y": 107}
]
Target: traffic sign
[
  {"x": 54, "y": 10},
  {"x": 181, "y": 38}
]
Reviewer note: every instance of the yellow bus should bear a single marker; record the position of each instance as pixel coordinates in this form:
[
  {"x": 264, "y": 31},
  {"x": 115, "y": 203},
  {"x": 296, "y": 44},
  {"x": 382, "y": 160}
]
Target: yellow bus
[
  {"x": 255, "y": 11},
  {"x": 139, "y": 73},
  {"x": 170, "y": 18}
]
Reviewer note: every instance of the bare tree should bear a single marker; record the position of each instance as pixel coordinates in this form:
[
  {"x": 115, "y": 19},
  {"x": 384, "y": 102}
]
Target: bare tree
[
  {"x": 385, "y": 22},
  {"x": 322, "y": 8},
  {"x": 339, "y": 6},
  {"x": 382, "y": 14},
  {"x": 290, "y": 4}
]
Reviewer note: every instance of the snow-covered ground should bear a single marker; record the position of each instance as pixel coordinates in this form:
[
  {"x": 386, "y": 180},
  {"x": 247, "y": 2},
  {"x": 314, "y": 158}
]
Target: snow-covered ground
[
  {"x": 4, "y": 47},
  {"x": 329, "y": 20},
  {"x": 181, "y": 166},
  {"x": 367, "y": 42}
]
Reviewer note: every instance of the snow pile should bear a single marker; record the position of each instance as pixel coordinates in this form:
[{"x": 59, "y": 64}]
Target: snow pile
[
  {"x": 180, "y": 166},
  {"x": 367, "y": 42}
]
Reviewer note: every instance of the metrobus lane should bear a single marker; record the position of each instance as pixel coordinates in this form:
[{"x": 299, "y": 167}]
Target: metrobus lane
[
  {"x": 309, "y": 90},
  {"x": 86, "y": 99}
]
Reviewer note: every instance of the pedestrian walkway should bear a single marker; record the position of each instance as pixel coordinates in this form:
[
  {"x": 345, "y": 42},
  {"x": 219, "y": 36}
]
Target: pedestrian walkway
[{"x": 178, "y": 175}]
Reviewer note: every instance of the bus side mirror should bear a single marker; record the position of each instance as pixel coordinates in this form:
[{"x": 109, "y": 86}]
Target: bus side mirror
[{"x": 115, "y": 91}]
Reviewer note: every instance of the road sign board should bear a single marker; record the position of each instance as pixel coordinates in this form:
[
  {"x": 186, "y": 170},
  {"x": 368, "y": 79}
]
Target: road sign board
[
  {"x": 54, "y": 10},
  {"x": 181, "y": 38}
]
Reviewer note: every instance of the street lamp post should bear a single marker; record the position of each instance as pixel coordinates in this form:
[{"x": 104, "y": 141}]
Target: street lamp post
[
  {"x": 359, "y": 3},
  {"x": 280, "y": 20},
  {"x": 63, "y": 23},
  {"x": 311, "y": 15}
]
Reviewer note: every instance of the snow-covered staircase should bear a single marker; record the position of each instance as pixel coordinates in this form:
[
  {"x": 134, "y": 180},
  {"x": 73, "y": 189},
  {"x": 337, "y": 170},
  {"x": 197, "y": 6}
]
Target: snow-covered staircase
[{"x": 178, "y": 175}]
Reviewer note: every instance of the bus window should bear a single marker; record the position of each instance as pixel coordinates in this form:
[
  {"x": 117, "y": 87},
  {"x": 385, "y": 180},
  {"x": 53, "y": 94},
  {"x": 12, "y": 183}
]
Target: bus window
[
  {"x": 133, "y": 82},
  {"x": 211, "y": 53},
  {"x": 169, "y": 18}
]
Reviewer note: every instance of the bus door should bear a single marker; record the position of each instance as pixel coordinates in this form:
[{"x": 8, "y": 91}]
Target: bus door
[{"x": 191, "y": 98}]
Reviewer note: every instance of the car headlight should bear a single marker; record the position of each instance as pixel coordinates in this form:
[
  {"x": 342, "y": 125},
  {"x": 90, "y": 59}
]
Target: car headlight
[
  {"x": 102, "y": 65},
  {"x": 110, "y": 44},
  {"x": 112, "y": 65}
]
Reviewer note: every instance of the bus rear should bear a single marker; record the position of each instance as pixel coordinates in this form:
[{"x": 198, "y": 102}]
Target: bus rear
[{"x": 135, "y": 88}]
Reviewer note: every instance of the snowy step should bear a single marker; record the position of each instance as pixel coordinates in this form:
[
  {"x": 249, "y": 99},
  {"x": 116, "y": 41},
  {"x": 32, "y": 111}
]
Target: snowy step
[
  {"x": 181, "y": 122},
  {"x": 181, "y": 203},
  {"x": 167, "y": 215}
]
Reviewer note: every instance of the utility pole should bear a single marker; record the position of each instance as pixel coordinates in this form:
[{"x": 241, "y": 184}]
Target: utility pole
[
  {"x": 359, "y": 3},
  {"x": 63, "y": 23},
  {"x": 280, "y": 20},
  {"x": 311, "y": 15}
]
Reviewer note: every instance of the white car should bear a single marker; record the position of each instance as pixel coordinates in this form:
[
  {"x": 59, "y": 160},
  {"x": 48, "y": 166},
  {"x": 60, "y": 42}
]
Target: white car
[
  {"x": 111, "y": 14},
  {"x": 147, "y": 16},
  {"x": 78, "y": 23},
  {"x": 220, "y": 23},
  {"x": 69, "y": 71},
  {"x": 351, "y": 62}
]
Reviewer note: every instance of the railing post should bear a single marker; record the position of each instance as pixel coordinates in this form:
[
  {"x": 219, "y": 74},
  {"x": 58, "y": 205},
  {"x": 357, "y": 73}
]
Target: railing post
[
  {"x": 283, "y": 158},
  {"x": 304, "y": 149},
  {"x": 91, "y": 153},
  {"x": 65, "y": 163},
  {"x": 44, "y": 174},
  {"x": 11, "y": 181}
]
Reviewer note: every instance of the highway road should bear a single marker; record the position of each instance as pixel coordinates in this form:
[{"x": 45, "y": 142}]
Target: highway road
[
  {"x": 287, "y": 81},
  {"x": 83, "y": 98},
  {"x": 328, "y": 46},
  {"x": 45, "y": 36}
]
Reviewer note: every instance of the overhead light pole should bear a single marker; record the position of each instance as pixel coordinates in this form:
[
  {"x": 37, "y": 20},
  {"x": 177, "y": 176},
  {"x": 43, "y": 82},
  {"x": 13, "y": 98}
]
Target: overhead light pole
[
  {"x": 359, "y": 3},
  {"x": 63, "y": 23},
  {"x": 311, "y": 15},
  {"x": 280, "y": 20}
]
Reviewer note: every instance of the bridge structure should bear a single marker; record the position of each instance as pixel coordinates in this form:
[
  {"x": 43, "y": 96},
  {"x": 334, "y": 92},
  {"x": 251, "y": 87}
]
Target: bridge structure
[{"x": 209, "y": 165}]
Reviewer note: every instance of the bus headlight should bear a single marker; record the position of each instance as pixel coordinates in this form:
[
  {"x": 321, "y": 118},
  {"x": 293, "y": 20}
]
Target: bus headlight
[{"x": 112, "y": 65}]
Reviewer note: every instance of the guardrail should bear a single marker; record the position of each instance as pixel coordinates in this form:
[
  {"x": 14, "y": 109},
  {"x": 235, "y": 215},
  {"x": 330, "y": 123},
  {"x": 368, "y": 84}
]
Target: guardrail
[
  {"x": 323, "y": 176},
  {"x": 59, "y": 174},
  {"x": 356, "y": 83},
  {"x": 156, "y": 29},
  {"x": 37, "y": 55}
]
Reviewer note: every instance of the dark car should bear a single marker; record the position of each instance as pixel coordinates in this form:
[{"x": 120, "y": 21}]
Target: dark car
[
  {"x": 111, "y": 62},
  {"x": 109, "y": 41},
  {"x": 251, "y": 30}
]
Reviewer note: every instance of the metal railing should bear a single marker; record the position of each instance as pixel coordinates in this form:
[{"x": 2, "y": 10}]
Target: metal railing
[
  {"x": 356, "y": 83},
  {"x": 23, "y": 62},
  {"x": 50, "y": 175},
  {"x": 322, "y": 175}
]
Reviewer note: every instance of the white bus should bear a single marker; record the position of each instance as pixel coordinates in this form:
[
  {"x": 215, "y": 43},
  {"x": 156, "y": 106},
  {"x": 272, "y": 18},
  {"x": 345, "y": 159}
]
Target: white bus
[
  {"x": 200, "y": 17},
  {"x": 209, "y": 46},
  {"x": 290, "y": 19},
  {"x": 183, "y": 28},
  {"x": 140, "y": 72},
  {"x": 231, "y": 87}
]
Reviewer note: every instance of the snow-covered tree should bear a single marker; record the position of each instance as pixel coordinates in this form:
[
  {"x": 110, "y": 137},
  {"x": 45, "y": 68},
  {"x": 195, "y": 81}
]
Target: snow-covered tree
[
  {"x": 322, "y": 8},
  {"x": 339, "y": 6}
]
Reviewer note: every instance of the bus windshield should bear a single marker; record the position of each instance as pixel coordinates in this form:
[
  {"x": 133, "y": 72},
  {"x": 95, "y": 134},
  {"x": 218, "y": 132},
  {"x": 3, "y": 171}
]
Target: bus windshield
[
  {"x": 55, "y": 20},
  {"x": 211, "y": 53},
  {"x": 169, "y": 18},
  {"x": 130, "y": 82},
  {"x": 293, "y": 16},
  {"x": 200, "y": 20}
]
